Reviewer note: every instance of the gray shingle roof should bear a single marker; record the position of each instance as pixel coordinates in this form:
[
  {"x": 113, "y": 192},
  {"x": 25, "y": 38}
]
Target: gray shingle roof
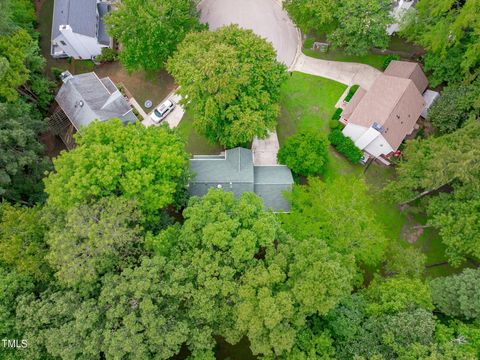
[
  {"x": 85, "y": 98},
  {"x": 81, "y": 15},
  {"x": 236, "y": 173}
]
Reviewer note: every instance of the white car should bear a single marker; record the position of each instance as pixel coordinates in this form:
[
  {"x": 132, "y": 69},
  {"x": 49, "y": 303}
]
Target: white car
[{"x": 162, "y": 110}]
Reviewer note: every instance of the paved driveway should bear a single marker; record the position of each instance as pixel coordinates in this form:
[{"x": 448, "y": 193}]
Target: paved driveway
[
  {"x": 265, "y": 150},
  {"x": 265, "y": 17},
  {"x": 172, "y": 119},
  {"x": 344, "y": 72}
]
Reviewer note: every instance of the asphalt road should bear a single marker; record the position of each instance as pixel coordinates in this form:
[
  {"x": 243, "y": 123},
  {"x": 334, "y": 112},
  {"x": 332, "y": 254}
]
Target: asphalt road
[{"x": 265, "y": 17}]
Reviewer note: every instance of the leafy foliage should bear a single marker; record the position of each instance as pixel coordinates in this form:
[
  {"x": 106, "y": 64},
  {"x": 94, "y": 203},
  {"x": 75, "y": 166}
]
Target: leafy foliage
[
  {"x": 269, "y": 313},
  {"x": 458, "y": 295},
  {"x": 448, "y": 30},
  {"x": 93, "y": 240},
  {"x": 306, "y": 153},
  {"x": 149, "y": 165},
  {"x": 345, "y": 146},
  {"x": 150, "y": 31},
  {"x": 455, "y": 106},
  {"x": 312, "y": 15},
  {"x": 22, "y": 163},
  {"x": 22, "y": 244},
  {"x": 230, "y": 79},
  {"x": 362, "y": 24},
  {"x": 429, "y": 164},
  {"x": 341, "y": 213}
]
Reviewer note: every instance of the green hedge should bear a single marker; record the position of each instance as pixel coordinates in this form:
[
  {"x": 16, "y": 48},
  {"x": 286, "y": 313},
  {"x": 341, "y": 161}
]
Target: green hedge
[
  {"x": 351, "y": 92},
  {"x": 337, "y": 113},
  {"x": 345, "y": 146}
]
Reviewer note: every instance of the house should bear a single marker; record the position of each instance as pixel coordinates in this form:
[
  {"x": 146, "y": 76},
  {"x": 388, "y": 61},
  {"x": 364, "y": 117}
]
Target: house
[
  {"x": 84, "y": 98},
  {"x": 378, "y": 120},
  {"x": 235, "y": 171},
  {"x": 78, "y": 29},
  {"x": 399, "y": 9}
]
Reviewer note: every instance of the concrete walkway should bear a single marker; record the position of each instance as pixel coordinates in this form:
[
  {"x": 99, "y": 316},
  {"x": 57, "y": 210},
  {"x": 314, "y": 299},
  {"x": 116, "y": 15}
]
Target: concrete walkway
[
  {"x": 265, "y": 150},
  {"x": 344, "y": 72}
]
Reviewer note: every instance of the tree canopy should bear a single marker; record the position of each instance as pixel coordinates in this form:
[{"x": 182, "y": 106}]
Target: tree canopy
[
  {"x": 356, "y": 26},
  {"x": 149, "y": 165},
  {"x": 305, "y": 153},
  {"x": 341, "y": 213},
  {"x": 150, "y": 31},
  {"x": 230, "y": 80},
  {"x": 22, "y": 163},
  {"x": 448, "y": 30},
  {"x": 458, "y": 295}
]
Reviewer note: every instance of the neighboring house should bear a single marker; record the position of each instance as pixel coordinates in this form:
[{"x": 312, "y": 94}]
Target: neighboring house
[
  {"x": 399, "y": 9},
  {"x": 78, "y": 29},
  {"x": 234, "y": 171},
  {"x": 378, "y": 120},
  {"x": 84, "y": 98}
]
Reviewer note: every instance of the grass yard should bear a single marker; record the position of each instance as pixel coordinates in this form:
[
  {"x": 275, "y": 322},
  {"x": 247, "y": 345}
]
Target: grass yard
[
  {"x": 308, "y": 102},
  {"x": 196, "y": 143},
  {"x": 375, "y": 60}
]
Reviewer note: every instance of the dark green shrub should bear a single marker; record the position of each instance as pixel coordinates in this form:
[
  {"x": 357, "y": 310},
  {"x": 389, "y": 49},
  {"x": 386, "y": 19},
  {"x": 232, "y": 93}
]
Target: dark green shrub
[
  {"x": 389, "y": 59},
  {"x": 337, "y": 113},
  {"x": 345, "y": 146},
  {"x": 56, "y": 72},
  {"x": 351, "y": 92},
  {"x": 308, "y": 43},
  {"x": 108, "y": 55},
  {"x": 306, "y": 153}
]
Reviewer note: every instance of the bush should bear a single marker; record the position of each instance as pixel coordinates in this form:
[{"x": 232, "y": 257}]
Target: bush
[
  {"x": 108, "y": 55},
  {"x": 56, "y": 72},
  {"x": 337, "y": 113},
  {"x": 345, "y": 146},
  {"x": 306, "y": 153},
  {"x": 389, "y": 59},
  {"x": 308, "y": 44},
  {"x": 351, "y": 92}
]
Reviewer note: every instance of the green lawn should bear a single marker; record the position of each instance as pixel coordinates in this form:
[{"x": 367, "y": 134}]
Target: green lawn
[
  {"x": 196, "y": 144},
  {"x": 374, "y": 60}
]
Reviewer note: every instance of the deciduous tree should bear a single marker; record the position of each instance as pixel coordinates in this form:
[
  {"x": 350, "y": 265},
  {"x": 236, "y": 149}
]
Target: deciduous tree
[
  {"x": 340, "y": 212},
  {"x": 150, "y": 30},
  {"x": 309, "y": 15},
  {"x": 362, "y": 24},
  {"x": 458, "y": 295},
  {"x": 22, "y": 162},
  {"x": 95, "y": 239},
  {"x": 448, "y": 30},
  {"x": 22, "y": 243},
  {"x": 306, "y": 153},
  {"x": 149, "y": 165},
  {"x": 230, "y": 80}
]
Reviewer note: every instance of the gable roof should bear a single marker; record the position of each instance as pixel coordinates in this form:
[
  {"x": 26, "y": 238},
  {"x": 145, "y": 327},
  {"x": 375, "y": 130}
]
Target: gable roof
[
  {"x": 408, "y": 70},
  {"x": 235, "y": 172},
  {"x": 392, "y": 105},
  {"x": 85, "y": 97}
]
